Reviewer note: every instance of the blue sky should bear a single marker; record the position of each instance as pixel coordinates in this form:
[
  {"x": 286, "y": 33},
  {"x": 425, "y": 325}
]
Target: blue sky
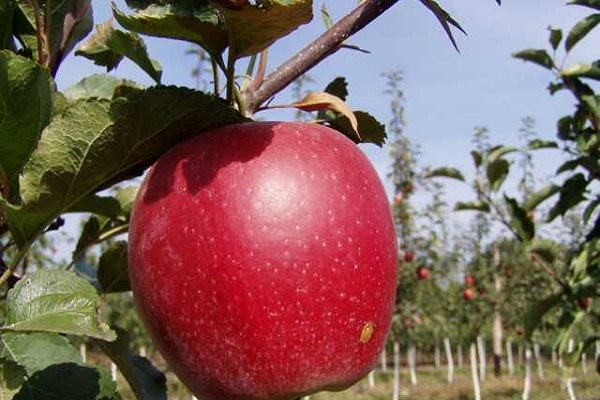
[{"x": 447, "y": 93}]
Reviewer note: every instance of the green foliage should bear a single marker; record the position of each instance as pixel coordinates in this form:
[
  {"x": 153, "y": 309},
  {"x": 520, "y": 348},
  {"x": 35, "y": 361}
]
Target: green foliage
[
  {"x": 55, "y": 301},
  {"x": 108, "y": 46},
  {"x": 25, "y": 110}
]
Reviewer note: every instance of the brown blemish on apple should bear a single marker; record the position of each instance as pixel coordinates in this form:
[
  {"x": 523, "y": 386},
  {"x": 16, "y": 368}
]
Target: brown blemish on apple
[{"x": 367, "y": 332}]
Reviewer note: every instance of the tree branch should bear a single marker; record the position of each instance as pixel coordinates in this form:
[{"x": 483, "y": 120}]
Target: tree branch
[{"x": 322, "y": 47}]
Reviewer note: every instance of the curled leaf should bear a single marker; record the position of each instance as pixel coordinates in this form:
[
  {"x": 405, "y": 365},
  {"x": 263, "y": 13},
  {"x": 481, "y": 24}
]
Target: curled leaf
[{"x": 316, "y": 101}]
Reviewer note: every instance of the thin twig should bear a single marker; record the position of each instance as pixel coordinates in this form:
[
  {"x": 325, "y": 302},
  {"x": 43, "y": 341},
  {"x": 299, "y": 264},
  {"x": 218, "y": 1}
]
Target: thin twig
[{"x": 322, "y": 47}]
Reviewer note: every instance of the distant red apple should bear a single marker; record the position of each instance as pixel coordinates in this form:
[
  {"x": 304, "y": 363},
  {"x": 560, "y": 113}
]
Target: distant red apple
[
  {"x": 468, "y": 294},
  {"x": 469, "y": 280},
  {"x": 409, "y": 256},
  {"x": 423, "y": 273},
  {"x": 263, "y": 261},
  {"x": 398, "y": 199},
  {"x": 584, "y": 303}
]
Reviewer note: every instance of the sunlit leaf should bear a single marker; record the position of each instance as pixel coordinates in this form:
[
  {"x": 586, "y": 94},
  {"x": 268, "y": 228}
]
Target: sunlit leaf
[
  {"x": 519, "y": 220},
  {"x": 55, "y": 301},
  {"x": 580, "y": 30},
  {"x": 445, "y": 172},
  {"x": 539, "y": 196},
  {"x": 536, "y": 56},
  {"x": 108, "y": 46},
  {"x": 25, "y": 110},
  {"x": 472, "y": 206}
]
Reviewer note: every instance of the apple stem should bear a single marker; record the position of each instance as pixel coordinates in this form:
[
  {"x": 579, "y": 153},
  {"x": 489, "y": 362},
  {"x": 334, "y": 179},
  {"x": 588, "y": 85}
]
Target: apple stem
[{"x": 321, "y": 48}]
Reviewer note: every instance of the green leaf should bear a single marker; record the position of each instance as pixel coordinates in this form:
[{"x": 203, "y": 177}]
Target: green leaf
[
  {"x": 445, "y": 172},
  {"x": 536, "y": 56},
  {"x": 472, "y": 206},
  {"x": 107, "y": 47},
  {"x": 70, "y": 22},
  {"x": 571, "y": 193},
  {"x": 580, "y": 30},
  {"x": 38, "y": 350},
  {"x": 106, "y": 206},
  {"x": 326, "y": 17},
  {"x": 498, "y": 152},
  {"x": 519, "y": 220},
  {"x": 581, "y": 71},
  {"x": 69, "y": 381},
  {"x": 589, "y": 210},
  {"x": 99, "y": 86},
  {"x": 593, "y": 103},
  {"x": 496, "y": 173},
  {"x": 543, "y": 251},
  {"x": 96, "y": 143},
  {"x": 556, "y": 36},
  {"x": 25, "y": 109},
  {"x": 55, "y": 301},
  {"x": 477, "y": 158},
  {"x": 191, "y": 21},
  {"x": 444, "y": 19},
  {"x": 595, "y": 4},
  {"x": 251, "y": 29},
  {"x": 535, "y": 313},
  {"x": 145, "y": 380},
  {"x": 539, "y": 196},
  {"x": 537, "y": 144},
  {"x": 7, "y": 10},
  {"x": 369, "y": 129},
  {"x": 12, "y": 376},
  {"x": 113, "y": 270},
  {"x": 338, "y": 87}
]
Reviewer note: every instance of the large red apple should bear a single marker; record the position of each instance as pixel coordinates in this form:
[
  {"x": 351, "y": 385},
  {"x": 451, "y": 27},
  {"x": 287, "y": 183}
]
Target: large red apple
[{"x": 263, "y": 261}]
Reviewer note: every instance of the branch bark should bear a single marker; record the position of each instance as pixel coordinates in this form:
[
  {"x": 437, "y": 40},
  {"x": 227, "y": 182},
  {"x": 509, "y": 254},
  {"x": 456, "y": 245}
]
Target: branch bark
[{"x": 322, "y": 47}]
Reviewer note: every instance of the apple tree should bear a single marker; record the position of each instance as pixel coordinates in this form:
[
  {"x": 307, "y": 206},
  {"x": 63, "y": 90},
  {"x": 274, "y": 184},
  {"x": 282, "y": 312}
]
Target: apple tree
[{"x": 76, "y": 150}]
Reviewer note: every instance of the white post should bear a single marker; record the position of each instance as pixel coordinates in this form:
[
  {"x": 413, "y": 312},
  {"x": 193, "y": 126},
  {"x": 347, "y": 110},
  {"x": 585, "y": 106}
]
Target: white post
[
  {"x": 449, "y": 359},
  {"x": 554, "y": 357},
  {"x": 396, "y": 384},
  {"x": 509, "y": 357},
  {"x": 527, "y": 384},
  {"x": 482, "y": 357},
  {"x": 584, "y": 363},
  {"x": 570, "y": 389},
  {"x": 371, "y": 379},
  {"x": 83, "y": 352},
  {"x": 538, "y": 360},
  {"x": 412, "y": 361},
  {"x": 113, "y": 371},
  {"x": 384, "y": 367},
  {"x": 436, "y": 355},
  {"x": 143, "y": 351},
  {"x": 473, "y": 358}
]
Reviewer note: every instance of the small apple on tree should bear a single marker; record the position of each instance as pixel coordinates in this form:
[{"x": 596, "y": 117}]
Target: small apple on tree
[
  {"x": 469, "y": 280},
  {"x": 409, "y": 256},
  {"x": 468, "y": 294},
  {"x": 423, "y": 273}
]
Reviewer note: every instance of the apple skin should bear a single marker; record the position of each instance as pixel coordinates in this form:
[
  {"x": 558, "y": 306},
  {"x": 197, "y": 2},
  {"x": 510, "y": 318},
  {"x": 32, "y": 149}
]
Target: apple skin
[
  {"x": 469, "y": 280},
  {"x": 468, "y": 294},
  {"x": 409, "y": 256},
  {"x": 423, "y": 273},
  {"x": 263, "y": 261}
]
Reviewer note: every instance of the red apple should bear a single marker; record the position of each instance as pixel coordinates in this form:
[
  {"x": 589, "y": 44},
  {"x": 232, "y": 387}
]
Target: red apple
[
  {"x": 398, "y": 199},
  {"x": 409, "y": 256},
  {"x": 468, "y": 294},
  {"x": 423, "y": 273},
  {"x": 584, "y": 303},
  {"x": 469, "y": 280},
  {"x": 263, "y": 261}
]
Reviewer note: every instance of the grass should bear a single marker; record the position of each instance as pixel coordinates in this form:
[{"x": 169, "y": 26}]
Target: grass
[{"x": 432, "y": 385}]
